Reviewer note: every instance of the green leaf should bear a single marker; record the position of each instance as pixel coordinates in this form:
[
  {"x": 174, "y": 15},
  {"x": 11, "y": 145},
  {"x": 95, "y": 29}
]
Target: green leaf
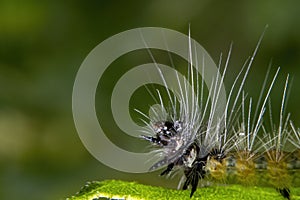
[{"x": 113, "y": 189}]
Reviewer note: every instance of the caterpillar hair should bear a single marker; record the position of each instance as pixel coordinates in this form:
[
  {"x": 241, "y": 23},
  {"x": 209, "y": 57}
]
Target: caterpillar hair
[{"x": 189, "y": 135}]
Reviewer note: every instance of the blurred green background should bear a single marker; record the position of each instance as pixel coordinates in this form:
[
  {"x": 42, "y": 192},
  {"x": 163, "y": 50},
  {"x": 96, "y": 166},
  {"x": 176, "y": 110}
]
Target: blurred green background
[{"x": 42, "y": 44}]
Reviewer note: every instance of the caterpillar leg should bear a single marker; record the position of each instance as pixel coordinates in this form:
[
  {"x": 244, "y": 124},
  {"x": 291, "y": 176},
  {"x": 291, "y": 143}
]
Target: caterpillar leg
[
  {"x": 285, "y": 192},
  {"x": 193, "y": 175},
  {"x": 169, "y": 168}
]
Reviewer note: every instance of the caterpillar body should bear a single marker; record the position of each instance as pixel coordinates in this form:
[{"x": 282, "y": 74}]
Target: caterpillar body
[{"x": 189, "y": 136}]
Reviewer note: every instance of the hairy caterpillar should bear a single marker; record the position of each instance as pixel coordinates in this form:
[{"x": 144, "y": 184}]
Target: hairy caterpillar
[{"x": 236, "y": 146}]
